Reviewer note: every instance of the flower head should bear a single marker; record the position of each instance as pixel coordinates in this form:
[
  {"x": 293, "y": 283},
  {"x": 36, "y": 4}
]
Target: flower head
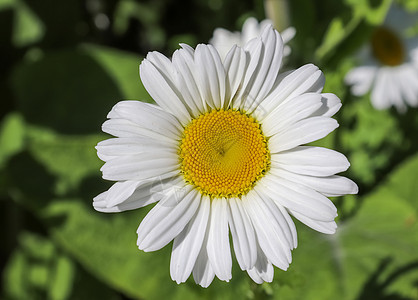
[
  {"x": 222, "y": 152},
  {"x": 224, "y": 39},
  {"x": 390, "y": 64}
]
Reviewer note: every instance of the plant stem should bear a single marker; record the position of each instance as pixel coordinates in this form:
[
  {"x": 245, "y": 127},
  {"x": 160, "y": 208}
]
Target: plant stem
[{"x": 278, "y": 12}]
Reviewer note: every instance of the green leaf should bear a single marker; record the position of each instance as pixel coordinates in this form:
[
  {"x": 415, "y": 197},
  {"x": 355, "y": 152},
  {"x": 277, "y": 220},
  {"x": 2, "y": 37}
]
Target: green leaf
[
  {"x": 123, "y": 67},
  {"x": 403, "y": 183},
  {"x": 27, "y": 26},
  {"x": 70, "y": 159},
  {"x": 337, "y": 32},
  {"x": 72, "y": 91},
  {"x": 12, "y": 133},
  {"x": 148, "y": 14},
  {"x": 373, "y": 11},
  {"x": 37, "y": 269},
  {"x": 386, "y": 227},
  {"x": 63, "y": 276},
  {"x": 410, "y": 5},
  {"x": 13, "y": 278},
  {"x": 52, "y": 165},
  {"x": 67, "y": 91},
  {"x": 346, "y": 32},
  {"x": 28, "y": 271},
  {"x": 6, "y": 4},
  {"x": 371, "y": 138},
  {"x": 128, "y": 9}
]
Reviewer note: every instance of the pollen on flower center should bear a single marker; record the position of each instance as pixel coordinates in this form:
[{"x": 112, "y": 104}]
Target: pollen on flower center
[
  {"x": 223, "y": 153},
  {"x": 387, "y": 47}
]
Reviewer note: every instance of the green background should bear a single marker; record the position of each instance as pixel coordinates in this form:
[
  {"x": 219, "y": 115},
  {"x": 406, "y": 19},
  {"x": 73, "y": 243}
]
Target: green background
[{"x": 64, "y": 64}]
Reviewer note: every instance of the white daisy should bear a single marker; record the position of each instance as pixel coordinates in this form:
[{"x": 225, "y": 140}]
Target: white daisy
[
  {"x": 224, "y": 39},
  {"x": 222, "y": 152},
  {"x": 390, "y": 64}
]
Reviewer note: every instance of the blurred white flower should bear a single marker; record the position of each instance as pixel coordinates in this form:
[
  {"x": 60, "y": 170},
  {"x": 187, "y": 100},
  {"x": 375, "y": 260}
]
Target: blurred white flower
[
  {"x": 389, "y": 64},
  {"x": 223, "y": 39},
  {"x": 222, "y": 152}
]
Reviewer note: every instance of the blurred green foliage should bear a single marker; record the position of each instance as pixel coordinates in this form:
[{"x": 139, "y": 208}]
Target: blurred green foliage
[{"x": 66, "y": 63}]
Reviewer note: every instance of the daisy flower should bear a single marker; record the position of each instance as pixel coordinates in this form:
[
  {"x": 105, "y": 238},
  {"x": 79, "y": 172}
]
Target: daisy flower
[
  {"x": 222, "y": 153},
  {"x": 390, "y": 64},
  {"x": 223, "y": 39}
]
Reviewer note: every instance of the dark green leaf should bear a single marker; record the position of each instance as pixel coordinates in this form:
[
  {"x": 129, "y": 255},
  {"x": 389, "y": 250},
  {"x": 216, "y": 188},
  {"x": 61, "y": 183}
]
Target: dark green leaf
[
  {"x": 38, "y": 270},
  {"x": 72, "y": 91}
]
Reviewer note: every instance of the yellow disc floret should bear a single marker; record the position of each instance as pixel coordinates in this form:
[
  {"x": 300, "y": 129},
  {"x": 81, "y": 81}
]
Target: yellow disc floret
[
  {"x": 387, "y": 47},
  {"x": 223, "y": 153}
]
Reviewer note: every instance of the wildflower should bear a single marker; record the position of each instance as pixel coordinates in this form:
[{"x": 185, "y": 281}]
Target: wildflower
[
  {"x": 224, "y": 39},
  {"x": 389, "y": 64},
  {"x": 222, "y": 152}
]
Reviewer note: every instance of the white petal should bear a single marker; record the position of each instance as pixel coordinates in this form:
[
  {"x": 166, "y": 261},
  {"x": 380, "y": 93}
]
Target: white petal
[
  {"x": 99, "y": 202},
  {"x": 413, "y": 53},
  {"x": 268, "y": 66},
  {"x": 162, "y": 90},
  {"x": 148, "y": 116},
  {"x": 330, "y": 186},
  {"x": 187, "y": 48},
  {"x": 100, "y": 205},
  {"x": 331, "y": 104},
  {"x": 188, "y": 243},
  {"x": 302, "y": 132},
  {"x": 235, "y": 67},
  {"x": 145, "y": 193},
  {"x": 263, "y": 270},
  {"x": 299, "y": 198},
  {"x": 218, "y": 248},
  {"x": 186, "y": 68},
  {"x": 125, "y": 128},
  {"x": 161, "y": 62},
  {"x": 269, "y": 235},
  {"x": 323, "y": 227},
  {"x": 408, "y": 82},
  {"x": 288, "y": 34},
  {"x": 379, "y": 95},
  {"x": 286, "y": 50},
  {"x": 120, "y": 191},
  {"x": 221, "y": 74},
  {"x": 307, "y": 78},
  {"x": 280, "y": 217},
  {"x": 111, "y": 148},
  {"x": 211, "y": 75},
  {"x": 360, "y": 79},
  {"x": 290, "y": 223},
  {"x": 139, "y": 167},
  {"x": 253, "y": 51},
  {"x": 260, "y": 112},
  {"x": 251, "y": 28},
  {"x": 203, "y": 273},
  {"x": 223, "y": 40},
  {"x": 243, "y": 236},
  {"x": 167, "y": 219},
  {"x": 290, "y": 112},
  {"x": 308, "y": 160},
  {"x": 396, "y": 92}
]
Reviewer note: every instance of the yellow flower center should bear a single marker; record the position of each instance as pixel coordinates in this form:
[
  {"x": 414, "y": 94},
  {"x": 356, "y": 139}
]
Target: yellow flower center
[
  {"x": 387, "y": 47},
  {"x": 223, "y": 153}
]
